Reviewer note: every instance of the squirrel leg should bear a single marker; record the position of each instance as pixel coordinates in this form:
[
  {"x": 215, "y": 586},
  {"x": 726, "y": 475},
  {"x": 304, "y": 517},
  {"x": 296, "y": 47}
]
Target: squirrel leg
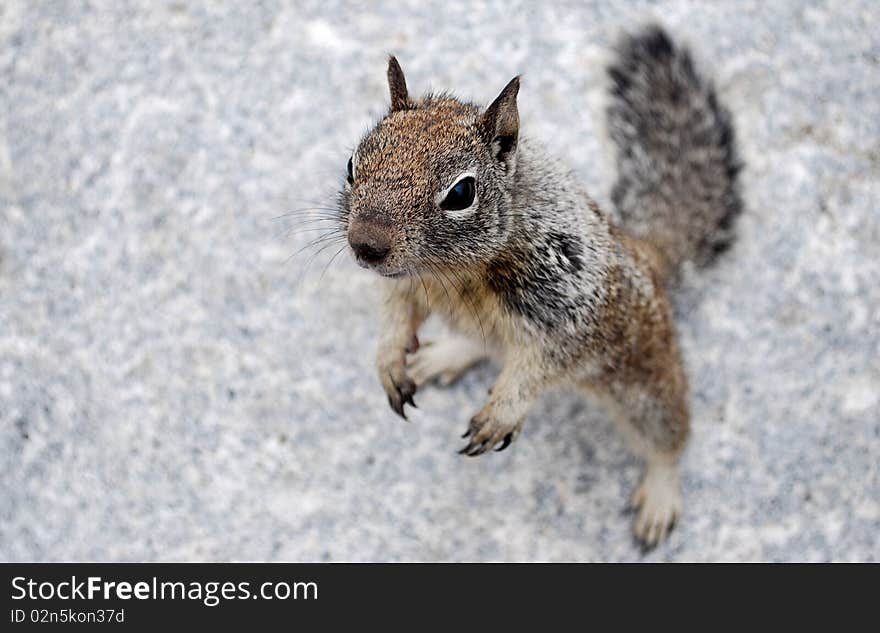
[
  {"x": 404, "y": 311},
  {"x": 654, "y": 418},
  {"x": 501, "y": 418},
  {"x": 445, "y": 359},
  {"x": 657, "y": 500}
]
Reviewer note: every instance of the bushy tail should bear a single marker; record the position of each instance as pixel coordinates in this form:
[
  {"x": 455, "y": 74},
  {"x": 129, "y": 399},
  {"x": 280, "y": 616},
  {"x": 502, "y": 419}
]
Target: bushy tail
[{"x": 677, "y": 163}]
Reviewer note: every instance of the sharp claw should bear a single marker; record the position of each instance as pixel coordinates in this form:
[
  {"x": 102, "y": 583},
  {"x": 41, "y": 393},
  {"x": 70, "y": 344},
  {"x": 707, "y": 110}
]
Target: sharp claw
[
  {"x": 466, "y": 433},
  {"x": 403, "y": 395},
  {"x": 397, "y": 407},
  {"x": 478, "y": 450},
  {"x": 471, "y": 450},
  {"x": 507, "y": 440}
]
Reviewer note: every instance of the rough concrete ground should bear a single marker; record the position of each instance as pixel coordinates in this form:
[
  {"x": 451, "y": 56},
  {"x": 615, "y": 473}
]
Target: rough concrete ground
[{"x": 175, "y": 386}]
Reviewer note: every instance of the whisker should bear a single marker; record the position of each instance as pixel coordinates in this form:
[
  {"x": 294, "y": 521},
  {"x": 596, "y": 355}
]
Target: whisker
[
  {"x": 427, "y": 296},
  {"x": 466, "y": 300},
  {"x": 310, "y": 202},
  {"x": 327, "y": 265},
  {"x": 409, "y": 293},
  {"x": 308, "y": 213},
  {"x": 330, "y": 243},
  {"x": 327, "y": 237},
  {"x": 300, "y": 230}
]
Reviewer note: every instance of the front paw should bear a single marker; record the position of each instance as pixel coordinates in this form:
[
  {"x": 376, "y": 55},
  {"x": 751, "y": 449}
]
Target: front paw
[
  {"x": 399, "y": 387},
  {"x": 486, "y": 431}
]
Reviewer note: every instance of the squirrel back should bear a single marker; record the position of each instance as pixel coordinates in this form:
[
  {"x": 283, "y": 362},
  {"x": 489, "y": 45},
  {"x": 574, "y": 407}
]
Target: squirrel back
[{"x": 676, "y": 158}]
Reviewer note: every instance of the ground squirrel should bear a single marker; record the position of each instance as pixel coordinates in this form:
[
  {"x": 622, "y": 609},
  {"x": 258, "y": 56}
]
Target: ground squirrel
[{"x": 469, "y": 220}]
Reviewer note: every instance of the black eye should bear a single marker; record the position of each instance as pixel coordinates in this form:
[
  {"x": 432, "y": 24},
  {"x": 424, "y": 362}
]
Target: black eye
[
  {"x": 461, "y": 196},
  {"x": 350, "y": 172}
]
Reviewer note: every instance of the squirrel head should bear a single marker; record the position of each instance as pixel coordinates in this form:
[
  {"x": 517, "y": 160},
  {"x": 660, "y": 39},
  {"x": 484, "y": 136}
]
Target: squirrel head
[{"x": 428, "y": 188}]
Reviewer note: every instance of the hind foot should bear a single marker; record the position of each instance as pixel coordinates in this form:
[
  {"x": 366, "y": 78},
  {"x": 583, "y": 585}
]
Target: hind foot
[{"x": 658, "y": 501}]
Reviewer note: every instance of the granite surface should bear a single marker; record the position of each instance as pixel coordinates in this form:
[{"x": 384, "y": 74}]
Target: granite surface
[{"x": 178, "y": 383}]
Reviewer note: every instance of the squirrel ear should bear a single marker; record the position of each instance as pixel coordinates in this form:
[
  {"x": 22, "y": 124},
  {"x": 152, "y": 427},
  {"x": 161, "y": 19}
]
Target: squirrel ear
[
  {"x": 397, "y": 86},
  {"x": 499, "y": 124}
]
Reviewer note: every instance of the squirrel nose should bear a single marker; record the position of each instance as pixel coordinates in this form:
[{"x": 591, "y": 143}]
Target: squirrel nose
[
  {"x": 369, "y": 243},
  {"x": 371, "y": 237},
  {"x": 370, "y": 251}
]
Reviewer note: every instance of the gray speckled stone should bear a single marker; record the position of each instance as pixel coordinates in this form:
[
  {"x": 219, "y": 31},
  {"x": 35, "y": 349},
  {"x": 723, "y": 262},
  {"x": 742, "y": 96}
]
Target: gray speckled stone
[{"x": 174, "y": 386}]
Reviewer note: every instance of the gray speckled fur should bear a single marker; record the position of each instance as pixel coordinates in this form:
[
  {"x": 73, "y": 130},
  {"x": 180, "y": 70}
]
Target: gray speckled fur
[
  {"x": 562, "y": 245},
  {"x": 677, "y": 162}
]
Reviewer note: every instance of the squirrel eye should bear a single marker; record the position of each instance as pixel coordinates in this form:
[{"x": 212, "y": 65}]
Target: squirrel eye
[
  {"x": 461, "y": 196},
  {"x": 350, "y": 172}
]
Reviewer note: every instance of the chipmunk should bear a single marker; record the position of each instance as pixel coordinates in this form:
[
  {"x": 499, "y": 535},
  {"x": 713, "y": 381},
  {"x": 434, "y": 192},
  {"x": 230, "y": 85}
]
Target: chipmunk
[{"x": 467, "y": 219}]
